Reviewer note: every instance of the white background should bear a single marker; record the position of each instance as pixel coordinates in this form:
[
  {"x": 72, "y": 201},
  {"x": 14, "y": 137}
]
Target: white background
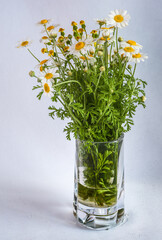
[{"x": 36, "y": 160}]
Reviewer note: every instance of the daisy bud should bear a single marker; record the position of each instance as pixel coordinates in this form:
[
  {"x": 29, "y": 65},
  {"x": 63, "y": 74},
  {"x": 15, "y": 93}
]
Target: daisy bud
[
  {"x": 139, "y": 83},
  {"x": 39, "y": 80},
  {"x": 143, "y": 98},
  {"x": 53, "y": 34},
  {"x": 129, "y": 67},
  {"x": 70, "y": 73},
  {"x": 100, "y": 53},
  {"x": 105, "y": 34},
  {"x": 91, "y": 51},
  {"x": 32, "y": 74},
  {"x": 111, "y": 90},
  {"x": 70, "y": 36},
  {"x": 102, "y": 68},
  {"x": 85, "y": 69},
  {"x": 120, "y": 39}
]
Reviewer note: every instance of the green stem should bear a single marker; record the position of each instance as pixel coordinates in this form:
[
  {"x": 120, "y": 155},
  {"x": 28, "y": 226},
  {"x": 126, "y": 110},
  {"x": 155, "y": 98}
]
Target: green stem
[
  {"x": 134, "y": 69},
  {"x": 117, "y": 39},
  {"x": 68, "y": 82},
  {"x": 103, "y": 113},
  {"x": 33, "y": 55},
  {"x": 97, "y": 85}
]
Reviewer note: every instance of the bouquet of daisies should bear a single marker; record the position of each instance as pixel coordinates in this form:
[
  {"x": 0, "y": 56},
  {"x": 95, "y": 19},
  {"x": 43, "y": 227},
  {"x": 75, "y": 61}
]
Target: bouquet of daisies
[{"x": 92, "y": 76}]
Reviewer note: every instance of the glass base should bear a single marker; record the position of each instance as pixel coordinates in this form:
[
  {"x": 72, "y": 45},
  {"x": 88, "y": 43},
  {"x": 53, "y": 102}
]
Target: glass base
[{"x": 99, "y": 218}]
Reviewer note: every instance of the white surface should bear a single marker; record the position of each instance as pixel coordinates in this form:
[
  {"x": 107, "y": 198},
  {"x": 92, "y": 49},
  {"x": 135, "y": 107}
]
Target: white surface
[
  {"x": 42, "y": 212},
  {"x": 36, "y": 161}
]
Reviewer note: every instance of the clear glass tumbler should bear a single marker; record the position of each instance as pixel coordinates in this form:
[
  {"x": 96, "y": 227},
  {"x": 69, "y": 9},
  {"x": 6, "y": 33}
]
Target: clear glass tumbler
[{"x": 99, "y": 184}]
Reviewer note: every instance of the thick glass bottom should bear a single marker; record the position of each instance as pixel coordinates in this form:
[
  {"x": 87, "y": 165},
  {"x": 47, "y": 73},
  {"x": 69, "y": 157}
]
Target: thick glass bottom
[{"x": 99, "y": 218}]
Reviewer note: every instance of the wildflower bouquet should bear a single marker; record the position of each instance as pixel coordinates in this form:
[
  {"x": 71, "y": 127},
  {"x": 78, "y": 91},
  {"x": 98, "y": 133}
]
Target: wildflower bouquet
[{"x": 92, "y": 76}]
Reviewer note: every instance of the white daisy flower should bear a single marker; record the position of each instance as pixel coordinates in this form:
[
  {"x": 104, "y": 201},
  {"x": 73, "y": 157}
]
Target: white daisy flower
[
  {"x": 102, "y": 40},
  {"x": 49, "y": 75},
  {"x": 137, "y": 57},
  {"x": 82, "y": 46},
  {"x": 118, "y": 18},
  {"x": 127, "y": 51},
  {"x": 45, "y": 40},
  {"x": 131, "y": 43},
  {"x": 47, "y": 88},
  {"x": 24, "y": 43},
  {"x": 90, "y": 58},
  {"x": 44, "y": 21},
  {"x": 51, "y": 29},
  {"x": 106, "y": 31},
  {"x": 101, "y": 21}
]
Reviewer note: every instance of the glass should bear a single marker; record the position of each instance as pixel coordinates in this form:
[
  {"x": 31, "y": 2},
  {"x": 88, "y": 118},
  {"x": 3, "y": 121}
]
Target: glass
[{"x": 99, "y": 184}]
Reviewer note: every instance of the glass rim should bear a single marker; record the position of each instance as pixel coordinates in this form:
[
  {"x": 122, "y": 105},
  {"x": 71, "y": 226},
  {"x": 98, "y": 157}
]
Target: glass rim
[{"x": 113, "y": 141}]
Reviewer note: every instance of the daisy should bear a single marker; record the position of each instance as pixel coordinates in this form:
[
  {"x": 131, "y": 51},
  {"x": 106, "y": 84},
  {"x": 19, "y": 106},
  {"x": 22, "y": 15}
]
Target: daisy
[
  {"x": 25, "y": 43},
  {"x": 137, "y": 57},
  {"x": 90, "y": 58},
  {"x": 131, "y": 43},
  {"x": 100, "y": 21},
  {"x": 106, "y": 31},
  {"x": 47, "y": 88},
  {"x": 82, "y": 46},
  {"x": 127, "y": 51},
  {"x": 102, "y": 40},
  {"x": 49, "y": 75},
  {"x": 44, "y": 21},
  {"x": 44, "y": 40},
  {"x": 118, "y": 18}
]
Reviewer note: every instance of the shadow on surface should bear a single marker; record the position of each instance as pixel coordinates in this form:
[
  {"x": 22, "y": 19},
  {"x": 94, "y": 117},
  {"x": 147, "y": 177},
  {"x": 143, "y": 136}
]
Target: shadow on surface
[{"x": 37, "y": 204}]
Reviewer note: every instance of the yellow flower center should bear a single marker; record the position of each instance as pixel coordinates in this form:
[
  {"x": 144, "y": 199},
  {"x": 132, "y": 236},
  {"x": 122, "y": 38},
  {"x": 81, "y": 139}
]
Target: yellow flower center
[
  {"x": 66, "y": 49},
  {"x": 80, "y": 30},
  {"x": 128, "y": 49},
  {"x": 118, "y": 18},
  {"x": 131, "y": 42},
  {"x": 24, "y": 44},
  {"x": 43, "y": 62},
  {"x": 50, "y": 28},
  {"x": 44, "y": 37},
  {"x": 79, "y": 46},
  {"x": 83, "y": 58},
  {"x": 82, "y": 22},
  {"x": 51, "y": 53},
  {"x": 46, "y": 88},
  {"x": 44, "y": 21},
  {"x": 43, "y": 50},
  {"x": 102, "y": 39},
  {"x": 137, "y": 55},
  {"x": 48, "y": 76},
  {"x": 60, "y": 39},
  {"x": 93, "y": 32},
  {"x": 73, "y": 23},
  {"x": 61, "y": 30}
]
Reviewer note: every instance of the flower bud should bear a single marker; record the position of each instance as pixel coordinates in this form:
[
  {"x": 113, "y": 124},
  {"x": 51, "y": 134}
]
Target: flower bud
[
  {"x": 85, "y": 69},
  {"x": 143, "y": 98},
  {"x": 102, "y": 68},
  {"x": 111, "y": 90},
  {"x": 92, "y": 50},
  {"x": 100, "y": 53},
  {"x": 120, "y": 39},
  {"x": 70, "y": 36},
  {"x": 53, "y": 34},
  {"x": 106, "y": 34},
  {"x": 32, "y": 74},
  {"x": 129, "y": 67},
  {"x": 139, "y": 83},
  {"x": 69, "y": 73}
]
